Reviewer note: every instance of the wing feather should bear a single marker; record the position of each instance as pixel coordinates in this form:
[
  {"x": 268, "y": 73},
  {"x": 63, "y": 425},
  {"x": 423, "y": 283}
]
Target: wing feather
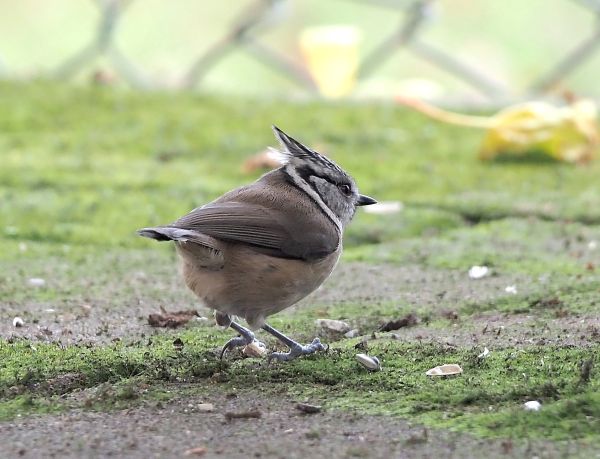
[{"x": 285, "y": 235}]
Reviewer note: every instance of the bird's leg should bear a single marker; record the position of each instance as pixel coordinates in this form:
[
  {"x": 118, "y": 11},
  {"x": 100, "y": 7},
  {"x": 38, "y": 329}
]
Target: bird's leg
[
  {"x": 246, "y": 337},
  {"x": 296, "y": 349}
]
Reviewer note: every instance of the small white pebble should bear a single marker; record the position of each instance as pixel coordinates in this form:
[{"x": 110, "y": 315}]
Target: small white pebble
[
  {"x": 532, "y": 405},
  {"x": 484, "y": 354},
  {"x": 592, "y": 245},
  {"x": 477, "y": 272},
  {"x": 385, "y": 207},
  {"x": 511, "y": 289},
  {"x": 22, "y": 247},
  {"x": 352, "y": 333},
  {"x": 37, "y": 282},
  {"x": 18, "y": 322},
  {"x": 206, "y": 407},
  {"x": 49, "y": 310}
]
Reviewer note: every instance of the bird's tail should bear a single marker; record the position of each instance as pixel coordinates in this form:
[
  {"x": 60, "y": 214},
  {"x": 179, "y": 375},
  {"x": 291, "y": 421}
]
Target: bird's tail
[
  {"x": 165, "y": 233},
  {"x": 168, "y": 233}
]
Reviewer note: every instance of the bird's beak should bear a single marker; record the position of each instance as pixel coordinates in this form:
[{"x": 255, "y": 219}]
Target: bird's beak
[{"x": 365, "y": 200}]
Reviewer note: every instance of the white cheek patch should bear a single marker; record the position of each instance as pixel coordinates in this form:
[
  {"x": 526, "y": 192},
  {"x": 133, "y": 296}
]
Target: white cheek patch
[
  {"x": 338, "y": 201},
  {"x": 313, "y": 194}
]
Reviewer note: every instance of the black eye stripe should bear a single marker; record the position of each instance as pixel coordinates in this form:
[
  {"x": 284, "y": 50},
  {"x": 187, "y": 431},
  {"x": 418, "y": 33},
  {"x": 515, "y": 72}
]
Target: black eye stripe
[
  {"x": 328, "y": 180},
  {"x": 306, "y": 173}
]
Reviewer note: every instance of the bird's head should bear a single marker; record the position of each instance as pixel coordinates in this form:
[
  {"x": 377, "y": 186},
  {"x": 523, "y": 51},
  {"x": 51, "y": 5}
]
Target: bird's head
[{"x": 329, "y": 185}]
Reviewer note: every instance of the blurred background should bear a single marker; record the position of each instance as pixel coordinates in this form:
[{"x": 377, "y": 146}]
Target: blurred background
[
  {"x": 121, "y": 114},
  {"x": 134, "y": 112},
  {"x": 454, "y": 51}
]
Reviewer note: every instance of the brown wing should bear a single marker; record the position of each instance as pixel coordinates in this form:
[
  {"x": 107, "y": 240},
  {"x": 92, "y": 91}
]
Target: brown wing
[{"x": 285, "y": 235}]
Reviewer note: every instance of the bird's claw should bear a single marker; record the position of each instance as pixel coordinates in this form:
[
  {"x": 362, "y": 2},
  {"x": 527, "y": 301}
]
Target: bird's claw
[
  {"x": 239, "y": 341},
  {"x": 297, "y": 351}
]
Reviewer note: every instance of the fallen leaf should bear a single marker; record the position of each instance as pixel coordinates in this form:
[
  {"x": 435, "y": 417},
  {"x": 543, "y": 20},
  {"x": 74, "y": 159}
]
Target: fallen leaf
[
  {"x": 507, "y": 446},
  {"x": 333, "y": 325},
  {"x": 569, "y": 133},
  {"x": 198, "y": 451},
  {"x": 86, "y": 309},
  {"x": 416, "y": 439},
  {"x": 552, "y": 302},
  {"x": 308, "y": 408},
  {"x": 561, "y": 313},
  {"x": 263, "y": 160},
  {"x": 450, "y": 315},
  {"x": 408, "y": 320},
  {"x": 171, "y": 319},
  {"x": 252, "y": 414},
  {"x": 103, "y": 77}
]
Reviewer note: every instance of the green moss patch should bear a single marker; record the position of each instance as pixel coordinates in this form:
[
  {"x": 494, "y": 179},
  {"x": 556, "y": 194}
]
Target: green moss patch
[{"x": 486, "y": 399}]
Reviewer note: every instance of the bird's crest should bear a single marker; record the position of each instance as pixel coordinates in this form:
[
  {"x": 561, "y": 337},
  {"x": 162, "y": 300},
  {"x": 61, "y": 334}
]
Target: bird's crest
[{"x": 298, "y": 155}]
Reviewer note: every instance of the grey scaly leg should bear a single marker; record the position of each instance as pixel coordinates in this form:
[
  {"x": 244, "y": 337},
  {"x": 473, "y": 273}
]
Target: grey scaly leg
[
  {"x": 296, "y": 349},
  {"x": 246, "y": 337}
]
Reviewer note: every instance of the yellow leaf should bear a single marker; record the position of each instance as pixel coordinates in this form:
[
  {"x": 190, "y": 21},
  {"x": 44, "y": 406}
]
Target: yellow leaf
[{"x": 568, "y": 133}]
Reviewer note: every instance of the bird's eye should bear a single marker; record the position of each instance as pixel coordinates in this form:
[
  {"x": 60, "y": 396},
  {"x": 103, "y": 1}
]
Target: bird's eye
[{"x": 345, "y": 189}]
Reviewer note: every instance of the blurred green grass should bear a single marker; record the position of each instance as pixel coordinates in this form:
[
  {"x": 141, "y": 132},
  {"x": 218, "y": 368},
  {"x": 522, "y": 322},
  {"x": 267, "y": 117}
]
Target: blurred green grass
[
  {"x": 83, "y": 168},
  {"x": 91, "y": 165}
]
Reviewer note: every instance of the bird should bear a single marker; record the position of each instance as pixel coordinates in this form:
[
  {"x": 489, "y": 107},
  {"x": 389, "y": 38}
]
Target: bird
[{"x": 261, "y": 248}]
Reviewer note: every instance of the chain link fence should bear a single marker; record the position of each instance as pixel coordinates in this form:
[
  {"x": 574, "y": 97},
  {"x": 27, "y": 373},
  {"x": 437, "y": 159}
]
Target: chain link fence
[{"x": 257, "y": 19}]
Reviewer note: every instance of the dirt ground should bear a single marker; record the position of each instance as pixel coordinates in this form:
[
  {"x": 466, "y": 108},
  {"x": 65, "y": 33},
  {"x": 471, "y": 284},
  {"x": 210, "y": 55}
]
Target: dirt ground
[
  {"x": 173, "y": 428},
  {"x": 176, "y": 428},
  {"x": 428, "y": 291}
]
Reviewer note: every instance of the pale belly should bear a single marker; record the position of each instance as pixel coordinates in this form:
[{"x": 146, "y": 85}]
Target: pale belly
[{"x": 252, "y": 285}]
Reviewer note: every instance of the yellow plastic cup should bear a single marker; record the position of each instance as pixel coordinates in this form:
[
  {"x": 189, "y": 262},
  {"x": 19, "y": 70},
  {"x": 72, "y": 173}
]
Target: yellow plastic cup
[{"x": 331, "y": 54}]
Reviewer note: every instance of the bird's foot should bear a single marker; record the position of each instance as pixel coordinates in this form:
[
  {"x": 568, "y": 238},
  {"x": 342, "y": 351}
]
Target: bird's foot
[
  {"x": 297, "y": 350},
  {"x": 246, "y": 337}
]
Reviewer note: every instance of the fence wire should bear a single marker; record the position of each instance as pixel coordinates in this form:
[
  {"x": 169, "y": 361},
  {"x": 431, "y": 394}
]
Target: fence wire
[{"x": 244, "y": 35}]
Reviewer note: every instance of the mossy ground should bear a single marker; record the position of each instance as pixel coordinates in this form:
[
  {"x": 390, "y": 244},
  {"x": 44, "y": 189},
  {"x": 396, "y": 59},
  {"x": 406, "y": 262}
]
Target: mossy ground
[{"x": 83, "y": 168}]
